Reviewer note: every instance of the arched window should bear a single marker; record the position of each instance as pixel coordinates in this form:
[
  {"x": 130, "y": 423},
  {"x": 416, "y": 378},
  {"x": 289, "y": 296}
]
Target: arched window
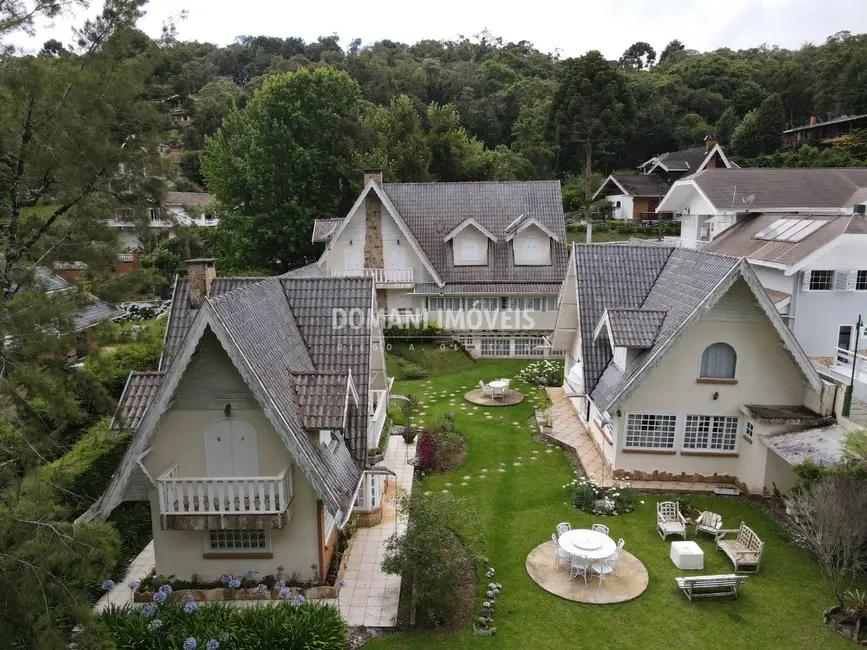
[
  {"x": 617, "y": 204},
  {"x": 718, "y": 361}
]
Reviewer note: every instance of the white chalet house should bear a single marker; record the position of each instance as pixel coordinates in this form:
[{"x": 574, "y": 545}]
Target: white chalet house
[
  {"x": 678, "y": 364},
  {"x": 804, "y": 233},
  {"x": 251, "y": 441},
  {"x": 484, "y": 260},
  {"x": 164, "y": 218}
]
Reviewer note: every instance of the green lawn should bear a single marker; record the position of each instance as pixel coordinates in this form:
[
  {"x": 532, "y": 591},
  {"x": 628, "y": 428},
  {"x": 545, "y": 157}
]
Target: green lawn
[
  {"x": 605, "y": 236},
  {"x": 779, "y": 608}
]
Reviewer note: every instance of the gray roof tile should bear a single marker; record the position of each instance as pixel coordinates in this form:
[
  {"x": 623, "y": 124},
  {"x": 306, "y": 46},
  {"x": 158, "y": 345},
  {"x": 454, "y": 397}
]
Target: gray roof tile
[
  {"x": 684, "y": 160},
  {"x": 432, "y": 210},
  {"x": 321, "y": 398},
  {"x": 187, "y": 198},
  {"x": 640, "y": 184},
  {"x": 324, "y": 228},
  {"x": 635, "y": 328},
  {"x": 499, "y": 288},
  {"x": 140, "y": 390}
]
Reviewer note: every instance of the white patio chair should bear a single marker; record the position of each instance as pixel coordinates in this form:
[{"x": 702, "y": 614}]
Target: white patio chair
[
  {"x": 487, "y": 391},
  {"x": 606, "y": 569},
  {"x": 562, "y": 555},
  {"x": 565, "y": 527},
  {"x": 579, "y": 566},
  {"x": 599, "y": 528},
  {"x": 669, "y": 521},
  {"x": 620, "y": 544},
  {"x": 709, "y": 522},
  {"x": 499, "y": 392}
]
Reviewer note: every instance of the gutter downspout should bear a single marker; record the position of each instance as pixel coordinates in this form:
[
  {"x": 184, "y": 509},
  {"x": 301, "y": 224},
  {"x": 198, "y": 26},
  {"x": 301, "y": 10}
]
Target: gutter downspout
[{"x": 847, "y": 399}]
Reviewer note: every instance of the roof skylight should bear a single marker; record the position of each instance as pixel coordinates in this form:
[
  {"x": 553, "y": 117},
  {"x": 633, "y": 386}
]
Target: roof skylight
[{"x": 790, "y": 230}]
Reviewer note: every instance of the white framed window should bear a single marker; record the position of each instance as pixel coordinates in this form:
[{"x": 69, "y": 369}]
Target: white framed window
[
  {"x": 532, "y": 251},
  {"x": 496, "y": 347},
  {"x": 154, "y": 214},
  {"x": 238, "y": 541},
  {"x": 444, "y": 304},
  {"x": 861, "y": 281},
  {"x": 821, "y": 280},
  {"x": 529, "y": 347},
  {"x": 718, "y": 361},
  {"x": 483, "y": 303},
  {"x": 750, "y": 430},
  {"x": 470, "y": 251},
  {"x": 650, "y": 431},
  {"x": 711, "y": 432}
]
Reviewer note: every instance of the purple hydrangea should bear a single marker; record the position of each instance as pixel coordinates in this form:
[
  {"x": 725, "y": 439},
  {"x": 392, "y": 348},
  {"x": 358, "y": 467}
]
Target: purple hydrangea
[
  {"x": 285, "y": 593},
  {"x": 249, "y": 571},
  {"x": 188, "y": 597},
  {"x": 299, "y": 600},
  {"x": 234, "y": 583},
  {"x": 226, "y": 578},
  {"x": 190, "y": 643},
  {"x": 213, "y": 644},
  {"x": 280, "y": 584},
  {"x": 160, "y": 596},
  {"x": 167, "y": 590},
  {"x": 108, "y": 584},
  {"x": 341, "y": 584},
  {"x": 190, "y": 607},
  {"x": 133, "y": 584},
  {"x": 148, "y": 610},
  {"x": 154, "y": 625}
]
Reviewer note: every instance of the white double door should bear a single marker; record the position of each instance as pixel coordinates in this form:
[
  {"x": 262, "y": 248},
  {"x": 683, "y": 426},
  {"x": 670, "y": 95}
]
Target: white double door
[{"x": 231, "y": 449}]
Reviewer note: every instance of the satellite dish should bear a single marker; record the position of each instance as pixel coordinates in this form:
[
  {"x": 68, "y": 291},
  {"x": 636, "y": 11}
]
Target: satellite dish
[{"x": 748, "y": 200}]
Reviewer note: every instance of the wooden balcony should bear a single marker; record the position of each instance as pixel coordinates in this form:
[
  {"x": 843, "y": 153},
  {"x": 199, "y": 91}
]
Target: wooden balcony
[
  {"x": 394, "y": 278},
  {"x": 224, "y": 503}
]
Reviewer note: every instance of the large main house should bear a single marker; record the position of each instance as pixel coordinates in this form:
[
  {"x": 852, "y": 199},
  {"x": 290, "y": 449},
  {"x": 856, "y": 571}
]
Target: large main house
[
  {"x": 484, "y": 260},
  {"x": 252, "y": 439}
]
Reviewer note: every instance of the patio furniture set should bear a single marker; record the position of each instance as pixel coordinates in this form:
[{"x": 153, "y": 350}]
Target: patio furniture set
[
  {"x": 496, "y": 389},
  {"x": 588, "y": 553},
  {"x": 744, "y": 551}
]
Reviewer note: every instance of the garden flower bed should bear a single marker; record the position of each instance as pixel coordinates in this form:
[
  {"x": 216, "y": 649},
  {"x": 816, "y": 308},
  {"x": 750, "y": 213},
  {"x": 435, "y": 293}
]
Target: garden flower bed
[{"x": 589, "y": 496}]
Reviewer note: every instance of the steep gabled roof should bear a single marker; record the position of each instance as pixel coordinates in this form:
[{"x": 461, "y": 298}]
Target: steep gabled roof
[
  {"x": 323, "y": 398},
  {"x": 324, "y": 228},
  {"x": 274, "y": 331},
  {"x": 682, "y": 283},
  {"x": 633, "y": 185},
  {"x": 433, "y": 210},
  {"x": 634, "y": 328}
]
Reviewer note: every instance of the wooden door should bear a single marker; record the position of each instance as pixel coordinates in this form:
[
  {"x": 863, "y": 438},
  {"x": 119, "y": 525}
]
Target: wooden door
[
  {"x": 245, "y": 452},
  {"x": 218, "y": 448},
  {"x": 398, "y": 258},
  {"x": 352, "y": 258}
]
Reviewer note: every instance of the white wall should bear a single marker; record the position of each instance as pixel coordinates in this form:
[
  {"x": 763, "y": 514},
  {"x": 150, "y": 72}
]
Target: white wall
[
  {"x": 532, "y": 234},
  {"x": 470, "y": 236},
  {"x": 625, "y": 209},
  {"x": 774, "y": 279},
  {"x": 818, "y": 316}
]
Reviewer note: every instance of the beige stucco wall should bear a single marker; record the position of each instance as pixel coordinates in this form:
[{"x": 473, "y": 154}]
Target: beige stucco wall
[
  {"x": 180, "y": 440},
  {"x": 766, "y": 374}
]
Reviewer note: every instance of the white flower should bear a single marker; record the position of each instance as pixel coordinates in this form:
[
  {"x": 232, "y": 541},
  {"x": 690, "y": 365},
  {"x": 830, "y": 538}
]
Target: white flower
[{"x": 642, "y": 503}]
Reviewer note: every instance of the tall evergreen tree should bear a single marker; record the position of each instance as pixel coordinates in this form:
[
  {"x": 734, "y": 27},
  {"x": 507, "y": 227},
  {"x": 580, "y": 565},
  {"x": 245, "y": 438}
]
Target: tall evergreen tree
[{"x": 770, "y": 123}]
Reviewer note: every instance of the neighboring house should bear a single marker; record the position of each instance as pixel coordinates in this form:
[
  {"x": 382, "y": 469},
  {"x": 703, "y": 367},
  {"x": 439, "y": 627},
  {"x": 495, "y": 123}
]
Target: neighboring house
[
  {"x": 678, "y": 363},
  {"x": 802, "y": 230},
  {"x": 637, "y": 196},
  {"x": 165, "y": 217},
  {"x": 93, "y": 310},
  {"x": 252, "y": 439},
  {"x": 826, "y": 133},
  {"x": 483, "y": 260}
]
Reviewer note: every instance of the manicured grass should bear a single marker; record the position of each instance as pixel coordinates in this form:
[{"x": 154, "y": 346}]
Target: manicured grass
[
  {"x": 581, "y": 237},
  {"x": 779, "y": 608},
  {"x": 436, "y": 358}
]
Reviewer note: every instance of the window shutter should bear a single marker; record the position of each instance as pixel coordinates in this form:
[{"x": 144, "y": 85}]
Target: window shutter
[
  {"x": 841, "y": 279},
  {"x": 806, "y": 283},
  {"x": 851, "y": 280}
]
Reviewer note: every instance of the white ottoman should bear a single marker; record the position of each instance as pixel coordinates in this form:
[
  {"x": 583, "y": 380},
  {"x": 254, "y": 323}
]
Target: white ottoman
[{"x": 687, "y": 555}]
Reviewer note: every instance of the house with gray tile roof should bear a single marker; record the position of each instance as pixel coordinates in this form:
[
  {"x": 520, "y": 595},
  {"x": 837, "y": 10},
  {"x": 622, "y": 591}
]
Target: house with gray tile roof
[
  {"x": 805, "y": 234},
  {"x": 636, "y": 196},
  {"x": 252, "y": 440},
  {"x": 674, "y": 357},
  {"x": 483, "y": 260}
]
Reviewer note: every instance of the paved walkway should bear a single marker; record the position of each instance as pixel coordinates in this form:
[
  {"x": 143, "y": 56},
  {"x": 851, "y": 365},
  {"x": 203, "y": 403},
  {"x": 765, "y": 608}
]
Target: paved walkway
[
  {"x": 569, "y": 432},
  {"x": 137, "y": 570},
  {"x": 370, "y": 596}
]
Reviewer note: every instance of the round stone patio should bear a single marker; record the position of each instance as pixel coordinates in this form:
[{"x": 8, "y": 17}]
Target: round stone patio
[
  {"x": 511, "y": 398},
  {"x": 630, "y": 580}
]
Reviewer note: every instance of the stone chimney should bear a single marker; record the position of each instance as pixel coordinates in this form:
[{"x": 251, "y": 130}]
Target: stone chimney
[
  {"x": 812, "y": 120},
  {"x": 709, "y": 142},
  {"x": 374, "y": 175},
  {"x": 200, "y": 277}
]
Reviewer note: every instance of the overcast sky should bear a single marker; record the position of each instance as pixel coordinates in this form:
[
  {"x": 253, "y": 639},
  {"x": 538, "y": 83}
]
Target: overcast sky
[{"x": 570, "y": 26}]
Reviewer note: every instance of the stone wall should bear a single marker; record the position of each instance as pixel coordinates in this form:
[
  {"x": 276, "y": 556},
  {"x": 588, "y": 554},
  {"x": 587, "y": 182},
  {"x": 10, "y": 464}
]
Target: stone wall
[
  {"x": 373, "y": 255},
  {"x": 622, "y": 474}
]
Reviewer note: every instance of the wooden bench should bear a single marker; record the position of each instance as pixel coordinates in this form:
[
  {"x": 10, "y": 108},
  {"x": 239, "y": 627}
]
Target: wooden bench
[
  {"x": 711, "y": 586},
  {"x": 745, "y": 551}
]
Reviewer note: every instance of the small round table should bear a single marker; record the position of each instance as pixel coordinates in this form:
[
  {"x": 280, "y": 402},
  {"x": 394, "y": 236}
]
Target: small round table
[
  {"x": 499, "y": 383},
  {"x": 587, "y": 543}
]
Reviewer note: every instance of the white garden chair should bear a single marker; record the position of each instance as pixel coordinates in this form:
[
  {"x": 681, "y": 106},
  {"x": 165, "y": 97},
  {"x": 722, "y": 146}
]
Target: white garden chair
[
  {"x": 565, "y": 527},
  {"x": 487, "y": 391},
  {"x": 579, "y": 566},
  {"x": 709, "y": 522},
  {"x": 562, "y": 555},
  {"x": 669, "y": 521},
  {"x": 599, "y": 528},
  {"x": 606, "y": 569},
  {"x": 499, "y": 392}
]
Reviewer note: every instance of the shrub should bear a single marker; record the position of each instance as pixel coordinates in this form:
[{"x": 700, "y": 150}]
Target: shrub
[
  {"x": 584, "y": 496},
  {"x": 589, "y": 496},
  {"x": 410, "y": 332},
  {"x": 447, "y": 442},
  {"x": 408, "y": 407},
  {"x": 383, "y": 436},
  {"x": 436, "y": 552},
  {"x": 410, "y": 371},
  {"x": 278, "y": 625},
  {"x": 426, "y": 452},
  {"x": 543, "y": 373}
]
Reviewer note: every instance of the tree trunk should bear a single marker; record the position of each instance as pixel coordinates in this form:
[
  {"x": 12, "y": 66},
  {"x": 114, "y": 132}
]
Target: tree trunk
[{"x": 588, "y": 172}]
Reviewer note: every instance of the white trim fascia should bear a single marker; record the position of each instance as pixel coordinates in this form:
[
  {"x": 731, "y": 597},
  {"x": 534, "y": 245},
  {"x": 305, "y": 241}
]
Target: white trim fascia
[
  {"x": 780, "y": 304},
  {"x": 822, "y": 250},
  {"x": 603, "y": 322},
  {"x": 573, "y": 330},
  {"x": 168, "y": 326},
  {"x": 686, "y": 182},
  {"x": 526, "y": 223},
  {"x": 605, "y": 182},
  {"x": 123, "y": 394},
  {"x": 770, "y": 265},
  {"x": 709, "y": 155},
  {"x": 470, "y": 221}
]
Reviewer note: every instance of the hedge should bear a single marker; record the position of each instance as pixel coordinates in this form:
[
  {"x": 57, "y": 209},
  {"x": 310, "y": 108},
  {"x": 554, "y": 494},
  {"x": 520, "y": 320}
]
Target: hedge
[{"x": 627, "y": 227}]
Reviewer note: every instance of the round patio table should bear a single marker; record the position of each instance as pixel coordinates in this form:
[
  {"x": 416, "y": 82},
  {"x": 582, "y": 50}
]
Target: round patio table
[
  {"x": 587, "y": 543},
  {"x": 499, "y": 383}
]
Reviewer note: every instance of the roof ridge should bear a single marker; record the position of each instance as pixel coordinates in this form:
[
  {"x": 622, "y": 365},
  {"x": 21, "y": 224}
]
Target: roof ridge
[{"x": 435, "y": 183}]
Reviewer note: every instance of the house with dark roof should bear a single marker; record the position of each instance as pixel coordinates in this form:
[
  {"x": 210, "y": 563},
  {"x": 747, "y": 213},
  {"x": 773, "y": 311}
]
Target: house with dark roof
[
  {"x": 637, "y": 196},
  {"x": 825, "y": 133},
  {"x": 678, "y": 364},
  {"x": 805, "y": 234},
  {"x": 484, "y": 260},
  {"x": 252, "y": 441},
  {"x": 177, "y": 209}
]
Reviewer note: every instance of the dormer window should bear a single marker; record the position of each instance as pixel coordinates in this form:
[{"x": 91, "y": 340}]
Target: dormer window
[
  {"x": 470, "y": 243},
  {"x": 470, "y": 251},
  {"x": 531, "y": 241}
]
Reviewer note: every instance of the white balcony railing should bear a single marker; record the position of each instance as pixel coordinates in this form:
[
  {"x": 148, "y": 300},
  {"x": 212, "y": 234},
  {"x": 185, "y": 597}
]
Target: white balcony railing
[
  {"x": 845, "y": 359},
  {"x": 376, "y": 419},
  {"x": 209, "y": 495},
  {"x": 380, "y": 276},
  {"x": 125, "y": 257}
]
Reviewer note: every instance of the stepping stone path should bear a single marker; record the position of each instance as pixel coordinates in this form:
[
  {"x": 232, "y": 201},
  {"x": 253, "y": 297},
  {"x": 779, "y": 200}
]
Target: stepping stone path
[
  {"x": 501, "y": 469},
  {"x": 516, "y": 464},
  {"x": 483, "y": 470},
  {"x": 503, "y": 464},
  {"x": 427, "y": 493},
  {"x": 549, "y": 451},
  {"x": 445, "y": 491},
  {"x": 483, "y": 476},
  {"x": 467, "y": 477},
  {"x": 447, "y": 484},
  {"x": 464, "y": 484}
]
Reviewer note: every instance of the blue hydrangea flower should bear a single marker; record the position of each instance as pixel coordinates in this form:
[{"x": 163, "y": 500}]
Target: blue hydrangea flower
[
  {"x": 213, "y": 644},
  {"x": 154, "y": 625},
  {"x": 108, "y": 584},
  {"x": 280, "y": 584},
  {"x": 190, "y": 643},
  {"x": 299, "y": 600},
  {"x": 167, "y": 590},
  {"x": 285, "y": 593},
  {"x": 148, "y": 610},
  {"x": 188, "y": 597},
  {"x": 249, "y": 571},
  {"x": 227, "y": 578},
  {"x": 133, "y": 584},
  {"x": 234, "y": 583},
  {"x": 190, "y": 607},
  {"x": 159, "y": 596},
  {"x": 342, "y": 583}
]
